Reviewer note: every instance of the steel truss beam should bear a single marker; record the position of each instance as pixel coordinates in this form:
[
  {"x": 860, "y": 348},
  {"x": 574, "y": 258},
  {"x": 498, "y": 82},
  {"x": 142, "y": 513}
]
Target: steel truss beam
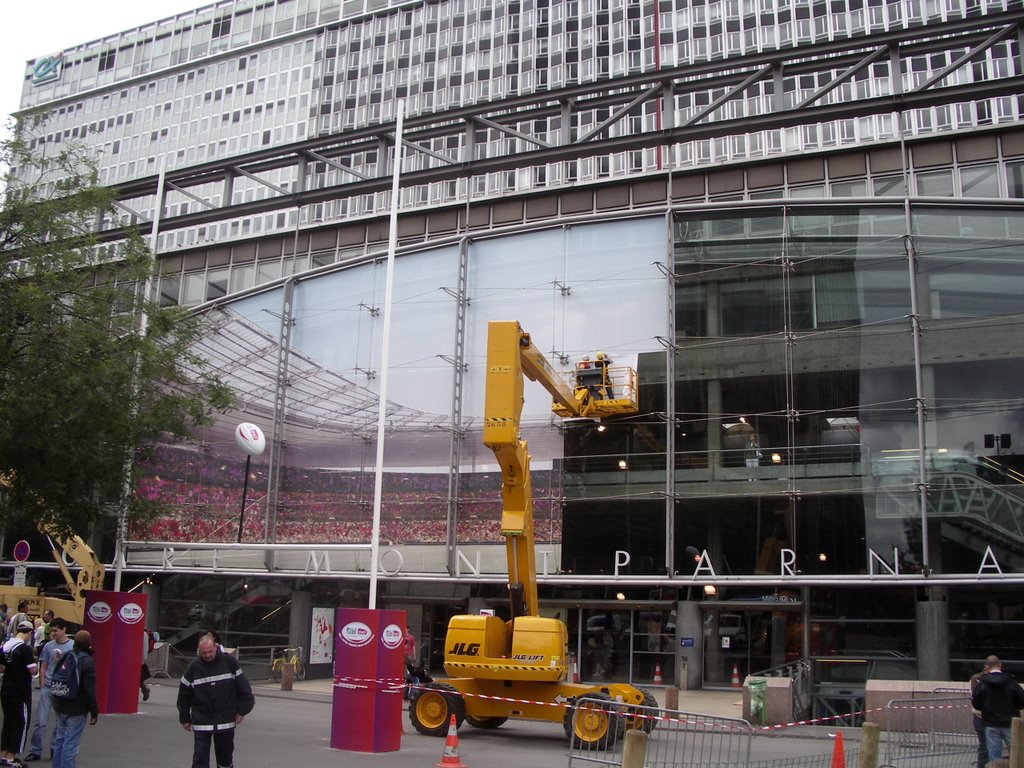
[{"x": 605, "y": 104}]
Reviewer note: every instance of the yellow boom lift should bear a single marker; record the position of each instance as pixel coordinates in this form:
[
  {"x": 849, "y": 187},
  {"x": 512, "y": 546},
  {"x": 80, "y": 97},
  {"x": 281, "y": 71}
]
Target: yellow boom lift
[
  {"x": 90, "y": 576},
  {"x": 518, "y": 669}
]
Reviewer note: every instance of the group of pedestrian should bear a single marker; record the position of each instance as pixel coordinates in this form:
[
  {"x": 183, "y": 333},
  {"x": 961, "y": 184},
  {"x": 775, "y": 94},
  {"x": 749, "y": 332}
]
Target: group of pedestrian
[
  {"x": 996, "y": 698},
  {"x": 73, "y": 708}
]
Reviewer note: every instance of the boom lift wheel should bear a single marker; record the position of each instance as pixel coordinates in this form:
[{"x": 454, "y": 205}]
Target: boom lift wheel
[
  {"x": 432, "y": 707},
  {"x": 593, "y": 722},
  {"x": 650, "y": 712}
]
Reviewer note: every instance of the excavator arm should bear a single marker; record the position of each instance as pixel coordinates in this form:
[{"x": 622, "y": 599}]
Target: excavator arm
[
  {"x": 511, "y": 354},
  {"x": 90, "y": 575}
]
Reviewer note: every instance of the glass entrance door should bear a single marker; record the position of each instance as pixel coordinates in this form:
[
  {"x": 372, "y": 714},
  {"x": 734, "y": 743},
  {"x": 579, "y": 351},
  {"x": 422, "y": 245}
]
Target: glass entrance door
[{"x": 738, "y": 642}]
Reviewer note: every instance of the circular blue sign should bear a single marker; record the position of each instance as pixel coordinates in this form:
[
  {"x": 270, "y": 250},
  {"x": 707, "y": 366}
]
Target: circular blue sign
[{"x": 21, "y": 550}]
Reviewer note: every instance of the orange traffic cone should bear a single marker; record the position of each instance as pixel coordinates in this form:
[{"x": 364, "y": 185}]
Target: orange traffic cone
[
  {"x": 657, "y": 673},
  {"x": 735, "y": 676},
  {"x": 450, "y": 756},
  {"x": 838, "y": 755}
]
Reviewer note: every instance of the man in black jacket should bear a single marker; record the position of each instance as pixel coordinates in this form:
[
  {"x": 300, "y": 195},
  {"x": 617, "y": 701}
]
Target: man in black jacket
[
  {"x": 16, "y": 691},
  {"x": 214, "y": 696},
  {"x": 71, "y": 714},
  {"x": 999, "y": 698}
]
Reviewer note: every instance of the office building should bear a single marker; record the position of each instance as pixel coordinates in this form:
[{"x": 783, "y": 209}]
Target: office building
[{"x": 800, "y": 223}]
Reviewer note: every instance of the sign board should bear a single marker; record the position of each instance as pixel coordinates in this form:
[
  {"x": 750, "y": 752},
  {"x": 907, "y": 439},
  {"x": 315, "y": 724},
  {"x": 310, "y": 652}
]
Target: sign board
[
  {"x": 686, "y": 642},
  {"x": 21, "y": 551},
  {"x": 726, "y": 642},
  {"x": 19, "y": 575}
]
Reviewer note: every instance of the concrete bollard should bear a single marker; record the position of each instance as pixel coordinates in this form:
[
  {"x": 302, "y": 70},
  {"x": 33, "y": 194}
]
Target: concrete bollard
[
  {"x": 1016, "y": 747},
  {"x": 868, "y": 755},
  {"x": 671, "y": 698},
  {"x": 634, "y": 750},
  {"x": 287, "y": 676}
]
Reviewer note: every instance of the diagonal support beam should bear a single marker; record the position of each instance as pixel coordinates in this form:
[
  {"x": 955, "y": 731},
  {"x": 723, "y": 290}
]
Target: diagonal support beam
[
  {"x": 647, "y": 95},
  {"x": 390, "y": 138},
  {"x": 731, "y": 94},
  {"x": 985, "y": 44},
  {"x": 510, "y": 132},
  {"x": 872, "y": 57},
  {"x": 335, "y": 164},
  {"x": 190, "y": 196},
  {"x": 258, "y": 180},
  {"x": 130, "y": 212}
]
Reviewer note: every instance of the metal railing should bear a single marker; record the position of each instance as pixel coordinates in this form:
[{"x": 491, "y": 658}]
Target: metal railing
[{"x": 930, "y": 732}]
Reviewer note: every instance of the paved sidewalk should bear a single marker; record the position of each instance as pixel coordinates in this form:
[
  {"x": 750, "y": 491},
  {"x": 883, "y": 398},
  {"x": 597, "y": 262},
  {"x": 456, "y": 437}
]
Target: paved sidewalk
[{"x": 293, "y": 728}]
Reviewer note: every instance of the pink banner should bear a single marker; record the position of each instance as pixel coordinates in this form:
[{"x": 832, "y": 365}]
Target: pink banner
[
  {"x": 369, "y": 671},
  {"x": 116, "y": 621}
]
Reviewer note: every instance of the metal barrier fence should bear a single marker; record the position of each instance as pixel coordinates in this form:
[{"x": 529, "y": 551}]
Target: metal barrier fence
[
  {"x": 678, "y": 739},
  {"x": 693, "y": 740},
  {"x": 931, "y": 732}
]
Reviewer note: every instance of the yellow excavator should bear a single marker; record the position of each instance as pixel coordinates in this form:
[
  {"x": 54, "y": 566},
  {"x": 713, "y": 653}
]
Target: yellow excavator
[
  {"x": 518, "y": 669},
  {"x": 90, "y": 576}
]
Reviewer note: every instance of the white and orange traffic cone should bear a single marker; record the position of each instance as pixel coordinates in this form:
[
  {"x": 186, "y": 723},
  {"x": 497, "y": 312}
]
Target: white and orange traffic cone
[
  {"x": 575, "y": 669},
  {"x": 838, "y": 755},
  {"x": 735, "y": 676},
  {"x": 657, "y": 673},
  {"x": 450, "y": 756}
]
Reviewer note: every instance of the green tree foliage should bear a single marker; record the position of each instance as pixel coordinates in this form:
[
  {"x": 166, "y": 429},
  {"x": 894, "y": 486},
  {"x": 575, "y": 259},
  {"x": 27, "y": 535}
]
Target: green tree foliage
[{"x": 90, "y": 368}]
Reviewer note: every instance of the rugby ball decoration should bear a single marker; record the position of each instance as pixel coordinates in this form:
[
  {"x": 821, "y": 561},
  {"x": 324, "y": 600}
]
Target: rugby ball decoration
[{"x": 250, "y": 438}]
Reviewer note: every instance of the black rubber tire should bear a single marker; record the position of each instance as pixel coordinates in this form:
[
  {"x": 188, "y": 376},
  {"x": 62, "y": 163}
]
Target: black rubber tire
[
  {"x": 648, "y": 723},
  {"x": 432, "y": 707},
  {"x": 486, "y": 722},
  {"x": 599, "y": 724}
]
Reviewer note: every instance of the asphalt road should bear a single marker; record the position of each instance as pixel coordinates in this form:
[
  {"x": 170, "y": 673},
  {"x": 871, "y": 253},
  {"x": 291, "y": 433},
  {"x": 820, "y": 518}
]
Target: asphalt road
[{"x": 289, "y": 730}]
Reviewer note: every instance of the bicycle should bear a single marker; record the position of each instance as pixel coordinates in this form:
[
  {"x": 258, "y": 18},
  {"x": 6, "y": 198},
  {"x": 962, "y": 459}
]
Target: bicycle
[{"x": 292, "y": 656}]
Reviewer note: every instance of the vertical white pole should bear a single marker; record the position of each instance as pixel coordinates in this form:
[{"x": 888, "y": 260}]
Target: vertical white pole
[
  {"x": 122, "y": 513},
  {"x": 378, "y": 479}
]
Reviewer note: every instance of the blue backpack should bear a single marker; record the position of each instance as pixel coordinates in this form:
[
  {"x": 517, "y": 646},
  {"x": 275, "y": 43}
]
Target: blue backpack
[{"x": 66, "y": 681}]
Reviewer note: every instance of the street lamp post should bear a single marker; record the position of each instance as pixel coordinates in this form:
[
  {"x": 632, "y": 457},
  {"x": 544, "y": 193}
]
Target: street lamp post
[{"x": 252, "y": 441}]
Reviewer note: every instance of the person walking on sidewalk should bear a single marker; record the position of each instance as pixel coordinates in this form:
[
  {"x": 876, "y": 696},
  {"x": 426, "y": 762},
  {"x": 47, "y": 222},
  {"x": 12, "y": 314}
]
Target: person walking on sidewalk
[
  {"x": 213, "y": 698},
  {"x": 16, "y": 692},
  {"x": 58, "y": 645},
  {"x": 71, "y": 712},
  {"x": 999, "y": 698}
]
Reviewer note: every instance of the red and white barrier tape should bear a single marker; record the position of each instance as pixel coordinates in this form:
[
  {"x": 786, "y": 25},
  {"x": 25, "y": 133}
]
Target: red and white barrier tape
[{"x": 396, "y": 685}]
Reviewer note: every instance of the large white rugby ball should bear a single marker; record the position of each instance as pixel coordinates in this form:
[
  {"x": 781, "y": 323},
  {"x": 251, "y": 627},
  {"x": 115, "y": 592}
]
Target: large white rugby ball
[{"x": 250, "y": 438}]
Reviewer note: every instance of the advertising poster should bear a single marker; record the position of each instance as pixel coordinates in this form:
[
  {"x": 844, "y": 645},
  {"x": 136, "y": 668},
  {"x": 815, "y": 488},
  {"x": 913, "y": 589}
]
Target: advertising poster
[
  {"x": 321, "y": 642},
  {"x": 116, "y": 622},
  {"x": 369, "y": 666}
]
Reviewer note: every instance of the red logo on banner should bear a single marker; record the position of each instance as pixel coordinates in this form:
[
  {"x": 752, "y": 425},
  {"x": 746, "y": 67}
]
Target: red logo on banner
[
  {"x": 392, "y": 636},
  {"x": 356, "y": 634},
  {"x": 131, "y": 613},
  {"x": 100, "y": 612}
]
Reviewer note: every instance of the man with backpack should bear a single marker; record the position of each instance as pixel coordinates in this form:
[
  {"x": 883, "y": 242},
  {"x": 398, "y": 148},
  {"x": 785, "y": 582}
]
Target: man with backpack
[
  {"x": 213, "y": 698},
  {"x": 58, "y": 645},
  {"x": 16, "y": 692},
  {"x": 73, "y": 690}
]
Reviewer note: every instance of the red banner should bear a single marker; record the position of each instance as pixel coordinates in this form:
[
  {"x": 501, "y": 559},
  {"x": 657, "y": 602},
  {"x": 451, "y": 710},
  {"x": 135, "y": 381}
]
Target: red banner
[
  {"x": 116, "y": 621},
  {"x": 369, "y": 672}
]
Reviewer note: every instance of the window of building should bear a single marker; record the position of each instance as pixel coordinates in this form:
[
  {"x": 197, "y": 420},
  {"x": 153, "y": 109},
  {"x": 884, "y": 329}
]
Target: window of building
[
  {"x": 935, "y": 183},
  {"x": 107, "y": 60},
  {"x": 222, "y": 27},
  {"x": 979, "y": 181}
]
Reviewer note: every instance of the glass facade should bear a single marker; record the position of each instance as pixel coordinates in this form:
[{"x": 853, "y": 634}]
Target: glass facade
[{"x": 823, "y": 317}]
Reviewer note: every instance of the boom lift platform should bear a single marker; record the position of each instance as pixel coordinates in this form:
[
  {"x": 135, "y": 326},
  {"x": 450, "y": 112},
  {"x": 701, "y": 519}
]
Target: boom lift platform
[{"x": 519, "y": 668}]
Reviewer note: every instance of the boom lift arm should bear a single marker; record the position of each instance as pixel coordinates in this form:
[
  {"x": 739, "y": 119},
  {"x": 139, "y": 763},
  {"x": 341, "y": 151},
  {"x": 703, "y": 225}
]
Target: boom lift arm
[
  {"x": 511, "y": 354},
  {"x": 92, "y": 570}
]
